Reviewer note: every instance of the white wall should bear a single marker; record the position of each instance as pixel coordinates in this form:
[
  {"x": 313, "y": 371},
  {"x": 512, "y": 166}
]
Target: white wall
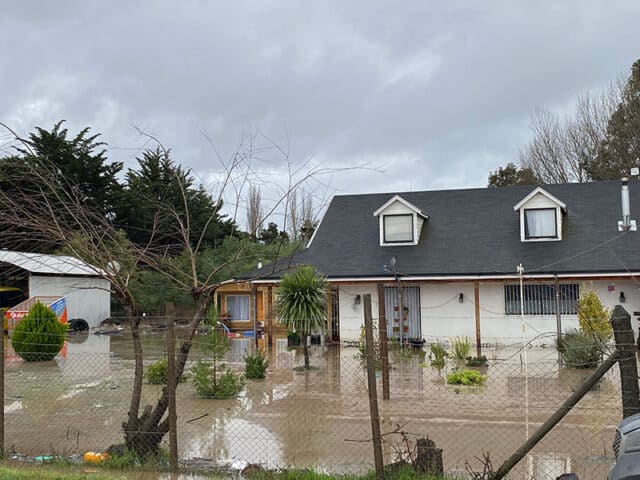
[
  {"x": 444, "y": 317},
  {"x": 352, "y": 315},
  {"x": 87, "y": 298}
]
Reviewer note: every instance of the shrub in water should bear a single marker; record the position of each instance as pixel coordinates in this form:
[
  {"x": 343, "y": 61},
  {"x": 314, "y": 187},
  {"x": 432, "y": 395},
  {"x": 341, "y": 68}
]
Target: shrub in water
[
  {"x": 439, "y": 355},
  {"x": 466, "y": 377},
  {"x": 216, "y": 385},
  {"x": 593, "y": 317},
  {"x": 580, "y": 350},
  {"x": 255, "y": 365},
  {"x": 480, "y": 361},
  {"x": 158, "y": 372},
  {"x": 39, "y": 336},
  {"x": 461, "y": 349}
]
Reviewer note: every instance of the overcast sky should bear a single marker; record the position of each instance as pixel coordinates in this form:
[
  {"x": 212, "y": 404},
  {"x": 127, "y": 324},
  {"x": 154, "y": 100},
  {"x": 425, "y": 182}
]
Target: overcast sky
[{"x": 426, "y": 94}]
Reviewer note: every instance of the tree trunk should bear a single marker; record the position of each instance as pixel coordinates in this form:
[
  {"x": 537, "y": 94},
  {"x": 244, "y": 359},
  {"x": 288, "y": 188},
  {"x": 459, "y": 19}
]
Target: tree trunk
[
  {"x": 305, "y": 339},
  {"x": 143, "y": 434}
]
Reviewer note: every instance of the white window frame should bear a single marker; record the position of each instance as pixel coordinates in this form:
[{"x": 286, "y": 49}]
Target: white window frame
[
  {"x": 411, "y": 240},
  {"x": 540, "y": 199},
  {"x": 528, "y": 236}
]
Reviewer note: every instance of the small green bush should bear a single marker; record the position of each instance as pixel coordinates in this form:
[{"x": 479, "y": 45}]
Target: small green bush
[
  {"x": 580, "y": 349},
  {"x": 466, "y": 377},
  {"x": 255, "y": 365},
  {"x": 593, "y": 316},
  {"x": 438, "y": 356},
  {"x": 158, "y": 372},
  {"x": 480, "y": 361},
  {"x": 39, "y": 336},
  {"x": 210, "y": 384},
  {"x": 461, "y": 349}
]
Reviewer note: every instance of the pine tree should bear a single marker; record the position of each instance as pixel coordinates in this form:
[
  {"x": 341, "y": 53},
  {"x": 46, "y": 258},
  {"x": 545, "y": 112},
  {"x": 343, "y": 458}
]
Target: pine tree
[{"x": 620, "y": 150}]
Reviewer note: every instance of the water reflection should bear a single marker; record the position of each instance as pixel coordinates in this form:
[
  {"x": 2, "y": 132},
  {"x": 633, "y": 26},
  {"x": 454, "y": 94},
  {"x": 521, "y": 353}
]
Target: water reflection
[{"x": 312, "y": 418}]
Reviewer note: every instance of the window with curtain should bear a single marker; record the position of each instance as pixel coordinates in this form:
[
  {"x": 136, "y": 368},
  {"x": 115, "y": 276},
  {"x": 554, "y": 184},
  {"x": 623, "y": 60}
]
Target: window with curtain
[
  {"x": 398, "y": 228},
  {"x": 238, "y": 307},
  {"x": 540, "y": 223}
]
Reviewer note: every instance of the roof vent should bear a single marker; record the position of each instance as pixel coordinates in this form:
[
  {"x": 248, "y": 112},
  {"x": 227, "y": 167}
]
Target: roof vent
[{"x": 626, "y": 224}]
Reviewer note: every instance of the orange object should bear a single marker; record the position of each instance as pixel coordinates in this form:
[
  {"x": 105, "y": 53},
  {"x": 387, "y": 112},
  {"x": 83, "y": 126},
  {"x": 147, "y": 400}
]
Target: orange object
[{"x": 93, "y": 457}]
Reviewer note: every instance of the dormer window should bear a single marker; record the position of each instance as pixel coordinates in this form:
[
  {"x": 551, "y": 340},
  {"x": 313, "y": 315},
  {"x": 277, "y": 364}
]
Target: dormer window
[
  {"x": 398, "y": 228},
  {"x": 540, "y": 223},
  {"x": 540, "y": 216},
  {"x": 400, "y": 222}
]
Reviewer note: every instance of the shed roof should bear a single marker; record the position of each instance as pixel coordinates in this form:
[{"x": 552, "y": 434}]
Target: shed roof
[{"x": 49, "y": 264}]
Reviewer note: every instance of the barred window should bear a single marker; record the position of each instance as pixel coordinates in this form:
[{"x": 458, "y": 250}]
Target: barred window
[{"x": 540, "y": 299}]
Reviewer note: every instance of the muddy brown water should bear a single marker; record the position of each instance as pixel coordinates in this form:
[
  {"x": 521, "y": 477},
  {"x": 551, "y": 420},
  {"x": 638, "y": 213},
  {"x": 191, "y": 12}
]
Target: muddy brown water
[{"x": 318, "y": 418}]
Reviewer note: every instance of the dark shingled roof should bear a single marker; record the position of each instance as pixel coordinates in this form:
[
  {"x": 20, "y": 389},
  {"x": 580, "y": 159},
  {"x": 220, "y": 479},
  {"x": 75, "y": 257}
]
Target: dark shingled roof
[{"x": 475, "y": 232}]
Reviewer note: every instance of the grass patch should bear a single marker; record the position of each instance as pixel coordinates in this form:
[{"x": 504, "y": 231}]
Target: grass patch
[
  {"x": 127, "y": 460},
  {"x": 46, "y": 473},
  {"x": 404, "y": 473}
]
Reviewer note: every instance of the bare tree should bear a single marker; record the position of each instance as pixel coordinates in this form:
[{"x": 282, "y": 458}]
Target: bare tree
[
  {"x": 50, "y": 210},
  {"x": 561, "y": 148},
  {"x": 254, "y": 210},
  {"x": 301, "y": 213},
  {"x": 294, "y": 214}
]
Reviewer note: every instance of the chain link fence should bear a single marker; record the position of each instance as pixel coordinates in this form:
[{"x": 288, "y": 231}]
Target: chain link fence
[{"x": 317, "y": 418}]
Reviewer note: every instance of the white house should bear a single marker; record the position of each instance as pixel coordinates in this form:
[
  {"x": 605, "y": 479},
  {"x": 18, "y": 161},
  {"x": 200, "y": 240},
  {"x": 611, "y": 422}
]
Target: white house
[{"x": 456, "y": 254}]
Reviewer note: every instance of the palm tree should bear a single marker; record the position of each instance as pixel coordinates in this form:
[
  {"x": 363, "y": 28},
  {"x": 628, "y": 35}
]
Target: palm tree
[{"x": 302, "y": 304}]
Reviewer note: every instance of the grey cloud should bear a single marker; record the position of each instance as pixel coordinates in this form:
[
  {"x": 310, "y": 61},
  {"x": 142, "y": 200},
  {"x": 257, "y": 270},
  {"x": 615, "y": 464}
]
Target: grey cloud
[{"x": 409, "y": 87}]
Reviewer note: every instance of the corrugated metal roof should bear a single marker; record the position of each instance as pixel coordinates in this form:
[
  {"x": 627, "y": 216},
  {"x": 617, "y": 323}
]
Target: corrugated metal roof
[{"x": 49, "y": 264}]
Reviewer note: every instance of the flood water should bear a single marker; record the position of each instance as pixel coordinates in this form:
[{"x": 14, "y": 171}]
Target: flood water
[{"x": 318, "y": 418}]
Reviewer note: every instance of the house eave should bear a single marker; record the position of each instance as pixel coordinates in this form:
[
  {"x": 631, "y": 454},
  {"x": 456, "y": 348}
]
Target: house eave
[{"x": 466, "y": 278}]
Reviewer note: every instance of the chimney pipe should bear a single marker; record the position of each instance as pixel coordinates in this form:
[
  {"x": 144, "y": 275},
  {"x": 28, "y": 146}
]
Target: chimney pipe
[
  {"x": 626, "y": 224},
  {"x": 626, "y": 209}
]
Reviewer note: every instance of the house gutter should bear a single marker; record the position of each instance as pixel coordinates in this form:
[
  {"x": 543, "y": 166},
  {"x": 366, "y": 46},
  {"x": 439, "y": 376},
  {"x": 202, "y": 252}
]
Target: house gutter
[{"x": 409, "y": 278}]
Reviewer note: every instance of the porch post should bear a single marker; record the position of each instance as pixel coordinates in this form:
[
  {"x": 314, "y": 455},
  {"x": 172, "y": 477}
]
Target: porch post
[
  {"x": 400, "y": 310},
  {"x": 254, "y": 316},
  {"x": 556, "y": 287},
  {"x": 269, "y": 314},
  {"x": 476, "y": 301},
  {"x": 384, "y": 347}
]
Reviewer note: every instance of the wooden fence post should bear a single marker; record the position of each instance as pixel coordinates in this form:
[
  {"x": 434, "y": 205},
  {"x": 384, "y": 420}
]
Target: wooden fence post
[
  {"x": 625, "y": 344},
  {"x": 2, "y": 397},
  {"x": 373, "y": 394}
]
